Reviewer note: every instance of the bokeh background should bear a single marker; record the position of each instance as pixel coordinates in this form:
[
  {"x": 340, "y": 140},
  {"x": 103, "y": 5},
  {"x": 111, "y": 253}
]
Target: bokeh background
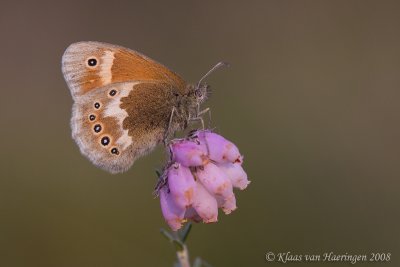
[{"x": 311, "y": 99}]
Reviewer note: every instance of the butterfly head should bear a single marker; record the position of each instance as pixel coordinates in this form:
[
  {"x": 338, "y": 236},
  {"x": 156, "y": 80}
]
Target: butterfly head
[{"x": 201, "y": 92}]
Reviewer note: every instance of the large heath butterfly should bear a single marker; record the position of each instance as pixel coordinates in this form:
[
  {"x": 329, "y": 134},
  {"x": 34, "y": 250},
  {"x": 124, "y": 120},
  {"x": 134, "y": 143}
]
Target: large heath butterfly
[{"x": 125, "y": 103}]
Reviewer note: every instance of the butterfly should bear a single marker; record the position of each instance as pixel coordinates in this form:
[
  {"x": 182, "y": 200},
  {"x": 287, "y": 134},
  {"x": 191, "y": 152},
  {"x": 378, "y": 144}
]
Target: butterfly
[{"x": 126, "y": 103}]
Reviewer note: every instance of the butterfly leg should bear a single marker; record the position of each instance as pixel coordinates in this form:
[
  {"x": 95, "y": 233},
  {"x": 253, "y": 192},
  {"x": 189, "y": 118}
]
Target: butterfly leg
[
  {"x": 199, "y": 119},
  {"x": 209, "y": 118},
  {"x": 204, "y": 111},
  {"x": 165, "y": 140},
  {"x": 200, "y": 114}
]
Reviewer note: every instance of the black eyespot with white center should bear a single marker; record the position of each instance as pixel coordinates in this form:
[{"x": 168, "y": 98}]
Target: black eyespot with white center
[
  {"x": 92, "y": 117},
  {"x": 105, "y": 141},
  {"x": 113, "y": 92},
  {"x": 114, "y": 151},
  {"x": 92, "y": 62},
  {"x": 97, "y": 105},
  {"x": 97, "y": 128}
]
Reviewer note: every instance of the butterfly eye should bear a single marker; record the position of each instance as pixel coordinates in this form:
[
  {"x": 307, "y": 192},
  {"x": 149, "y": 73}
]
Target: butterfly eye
[
  {"x": 198, "y": 93},
  {"x": 115, "y": 151},
  {"x": 113, "y": 92},
  {"x": 97, "y": 105},
  {"x": 97, "y": 128},
  {"x": 105, "y": 141},
  {"x": 92, "y": 62},
  {"x": 92, "y": 117}
]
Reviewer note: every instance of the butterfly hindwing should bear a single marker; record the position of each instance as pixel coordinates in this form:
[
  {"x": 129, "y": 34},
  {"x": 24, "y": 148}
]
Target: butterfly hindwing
[
  {"x": 115, "y": 124},
  {"x": 97, "y": 127}
]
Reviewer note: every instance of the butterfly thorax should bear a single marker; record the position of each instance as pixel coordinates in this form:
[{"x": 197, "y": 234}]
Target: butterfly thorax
[{"x": 188, "y": 106}]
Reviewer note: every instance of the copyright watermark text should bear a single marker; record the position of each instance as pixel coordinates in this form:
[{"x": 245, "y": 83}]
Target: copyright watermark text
[{"x": 290, "y": 257}]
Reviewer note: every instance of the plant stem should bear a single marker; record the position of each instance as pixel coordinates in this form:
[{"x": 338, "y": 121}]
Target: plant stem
[
  {"x": 178, "y": 239},
  {"x": 183, "y": 257}
]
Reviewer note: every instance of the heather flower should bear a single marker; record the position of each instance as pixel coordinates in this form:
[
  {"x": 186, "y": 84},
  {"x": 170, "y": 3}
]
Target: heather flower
[
  {"x": 215, "y": 180},
  {"x": 188, "y": 153},
  {"x": 173, "y": 214},
  {"x": 200, "y": 177},
  {"x": 236, "y": 174},
  {"x": 181, "y": 185},
  {"x": 205, "y": 204}
]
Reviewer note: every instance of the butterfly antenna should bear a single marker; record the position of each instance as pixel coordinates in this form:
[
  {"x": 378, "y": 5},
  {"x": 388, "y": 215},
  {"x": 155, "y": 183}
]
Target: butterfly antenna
[{"x": 217, "y": 66}]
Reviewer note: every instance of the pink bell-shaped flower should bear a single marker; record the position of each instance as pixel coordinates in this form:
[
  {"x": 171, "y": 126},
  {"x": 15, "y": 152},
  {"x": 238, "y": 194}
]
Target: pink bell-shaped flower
[
  {"x": 188, "y": 153},
  {"x": 173, "y": 214},
  {"x": 181, "y": 184},
  {"x": 214, "y": 180},
  {"x": 236, "y": 174},
  {"x": 219, "y": 149},
  {"x": 205, "y": 204}
]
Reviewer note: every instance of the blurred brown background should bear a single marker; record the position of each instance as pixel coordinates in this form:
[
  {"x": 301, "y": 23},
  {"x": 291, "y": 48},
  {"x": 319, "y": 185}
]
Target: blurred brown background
[{"x": 311, "y": 99}]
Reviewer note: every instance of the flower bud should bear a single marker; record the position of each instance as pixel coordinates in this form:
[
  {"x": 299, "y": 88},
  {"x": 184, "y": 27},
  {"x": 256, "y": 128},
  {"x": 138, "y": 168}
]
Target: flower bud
[
  {"x": 236, "y": 174},
  {"x": 205, "y": 205},
  {"x": 188, "y": 153},
  {"x": 214, "y": 180},
  {"x": 181, "y": 184},
  {"x": 173, "y": 214}
]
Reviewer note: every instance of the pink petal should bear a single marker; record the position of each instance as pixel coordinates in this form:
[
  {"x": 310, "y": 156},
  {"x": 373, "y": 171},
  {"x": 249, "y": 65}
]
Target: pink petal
[
  {"x": 236, "y": 174},
  {"x": 173, "y": 214},
  {"x": 219, "y": 149},
  {"x": 215, "y": 180},
  {"x": 205, "y": 205},
  {"x": 181, "y": 184},
  {"x": 188, "y": 153}
]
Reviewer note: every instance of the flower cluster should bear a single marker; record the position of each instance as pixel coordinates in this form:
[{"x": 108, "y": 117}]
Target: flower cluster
[{"x": 200, "y": 177}]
